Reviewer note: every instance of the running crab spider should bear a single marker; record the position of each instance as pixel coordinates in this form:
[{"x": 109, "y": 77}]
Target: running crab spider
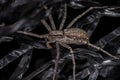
[{"x": 66, "y": 36}]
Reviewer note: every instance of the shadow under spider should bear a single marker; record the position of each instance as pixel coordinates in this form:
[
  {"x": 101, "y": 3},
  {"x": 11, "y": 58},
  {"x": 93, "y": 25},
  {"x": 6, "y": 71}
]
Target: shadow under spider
[{"x": 66, "y": 36}]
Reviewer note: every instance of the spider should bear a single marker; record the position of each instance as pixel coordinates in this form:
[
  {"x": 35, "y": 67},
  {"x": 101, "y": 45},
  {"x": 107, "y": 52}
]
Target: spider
[{"x": 65, "y": 37}]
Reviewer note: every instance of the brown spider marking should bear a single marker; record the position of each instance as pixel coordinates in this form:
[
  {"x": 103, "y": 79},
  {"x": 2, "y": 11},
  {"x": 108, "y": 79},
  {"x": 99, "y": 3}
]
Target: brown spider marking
[{"x": 67, "y": 36}]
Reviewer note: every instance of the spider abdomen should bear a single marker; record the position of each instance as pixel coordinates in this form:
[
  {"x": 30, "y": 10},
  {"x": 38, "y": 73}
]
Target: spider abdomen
[{"x": 76, "y": 35}]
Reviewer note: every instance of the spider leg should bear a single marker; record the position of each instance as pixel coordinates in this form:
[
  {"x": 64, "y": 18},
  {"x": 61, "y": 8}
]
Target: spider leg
[
  {"x": 73, "y": 58},
  {"x": 48, "y": 44},
  {"x": 97, "y": 17},
  {"x": 93, "y": 21},
  {"x": 64, "y": 17},
  {"x": 56, "y": 62},
  {"x": 37, "y": 36},
  {"x": 100, "y": 49},
  {"x": 46, "y": 25},
  {"x": 51, "y": 20},
  {"x": 33, "y": 34},
  {"x": 81, "y": 15}
]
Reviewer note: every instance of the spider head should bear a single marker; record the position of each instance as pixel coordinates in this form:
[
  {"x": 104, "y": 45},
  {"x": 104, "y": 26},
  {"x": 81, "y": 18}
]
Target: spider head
[{"x": 56, "y": 33}]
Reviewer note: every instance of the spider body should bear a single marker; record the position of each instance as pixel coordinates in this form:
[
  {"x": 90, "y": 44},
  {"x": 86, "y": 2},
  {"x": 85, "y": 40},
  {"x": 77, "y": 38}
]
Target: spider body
[{"x": 68, "y": 36}]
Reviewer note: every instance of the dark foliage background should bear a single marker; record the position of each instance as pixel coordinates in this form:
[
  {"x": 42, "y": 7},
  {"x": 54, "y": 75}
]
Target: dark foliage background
[{"x": 25, "y": 15}]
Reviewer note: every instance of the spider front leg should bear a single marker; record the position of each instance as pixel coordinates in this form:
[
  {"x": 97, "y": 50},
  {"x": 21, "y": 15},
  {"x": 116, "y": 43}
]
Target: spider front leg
[
  {"x": 73, "y": 58},
  {"x": 64, "y": 17},
  {"x": 51, "y": 20},
  {"x": 33, "y": 34},
  {"x": 46, "y": 25}
]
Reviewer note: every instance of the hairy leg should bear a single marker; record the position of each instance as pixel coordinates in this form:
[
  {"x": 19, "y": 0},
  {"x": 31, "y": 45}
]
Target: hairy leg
[
  {"x": 57, "y": 59},
  {"x": 64, "y": 17},
  {"x": 100, "y": 49},
  {"x": 33, "y": 34},
  {"x": 81, "y": 15},
  {"x": 51, "y": 20},
  {"x": 46, "y": 25},
  {"x": 73, "y": 58}
]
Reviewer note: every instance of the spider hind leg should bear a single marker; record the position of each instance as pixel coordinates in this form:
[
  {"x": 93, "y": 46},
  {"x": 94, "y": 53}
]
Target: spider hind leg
[
  {"x": 57, "y": 60},
  {"x": 102, "y": 50},
  {"x": 73, "y": 58}
]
